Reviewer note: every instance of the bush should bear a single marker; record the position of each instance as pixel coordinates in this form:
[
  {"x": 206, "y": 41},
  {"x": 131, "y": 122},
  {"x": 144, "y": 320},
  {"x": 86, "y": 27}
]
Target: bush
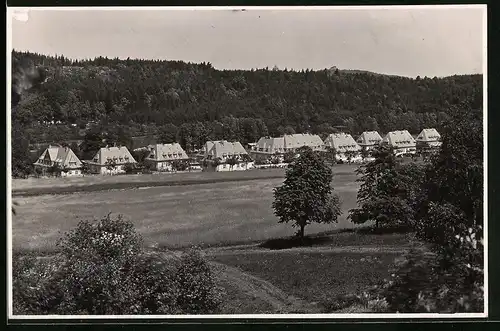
[
  {"x": 102, "y": 269},
  {"x": 424, "y": 282},
  {"x": 198, "y": 292},
  {"x": 129, "y": 168}
]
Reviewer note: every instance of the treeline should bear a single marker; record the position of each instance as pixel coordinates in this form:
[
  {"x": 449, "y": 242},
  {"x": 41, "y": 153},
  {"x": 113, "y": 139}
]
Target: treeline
[{"x": 173, "y": 92}]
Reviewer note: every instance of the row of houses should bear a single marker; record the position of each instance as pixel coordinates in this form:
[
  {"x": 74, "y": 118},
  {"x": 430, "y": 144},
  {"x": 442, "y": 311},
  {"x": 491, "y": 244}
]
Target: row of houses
[
  {"x": 345, "y": 146},
  {"x": 223, "y": 155}
]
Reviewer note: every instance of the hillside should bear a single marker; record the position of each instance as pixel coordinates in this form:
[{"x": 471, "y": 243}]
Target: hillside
[{"x": 173, "y": 92}]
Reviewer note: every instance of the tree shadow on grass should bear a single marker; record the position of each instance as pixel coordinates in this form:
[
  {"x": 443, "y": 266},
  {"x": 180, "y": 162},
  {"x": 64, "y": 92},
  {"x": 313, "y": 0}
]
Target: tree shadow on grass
[
  {"x": 383, "y": 230},
  {"x": 328, "y": 237},
  {"x": 290, "y": 242}
]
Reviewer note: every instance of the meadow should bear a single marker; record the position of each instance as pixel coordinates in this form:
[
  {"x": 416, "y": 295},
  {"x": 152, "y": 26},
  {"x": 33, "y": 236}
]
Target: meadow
[
  {"x": 232, "y": 219},
  {"x": 218, "y": 213}
]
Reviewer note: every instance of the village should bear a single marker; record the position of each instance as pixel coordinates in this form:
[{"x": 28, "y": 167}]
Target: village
[{"x": 268, "y": 152}]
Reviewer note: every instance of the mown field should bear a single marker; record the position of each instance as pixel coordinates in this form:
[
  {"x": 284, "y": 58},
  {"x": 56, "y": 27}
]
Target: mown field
[{"x": 173, "y": 216}]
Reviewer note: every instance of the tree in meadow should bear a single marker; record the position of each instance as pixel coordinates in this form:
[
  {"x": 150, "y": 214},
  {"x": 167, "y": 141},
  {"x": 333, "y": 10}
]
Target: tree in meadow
[{"x": 306, "y": 195}]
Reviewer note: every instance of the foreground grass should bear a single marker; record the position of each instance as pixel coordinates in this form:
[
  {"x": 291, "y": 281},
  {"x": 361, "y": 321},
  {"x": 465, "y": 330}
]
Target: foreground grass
[{"x": 318, "y": 278}]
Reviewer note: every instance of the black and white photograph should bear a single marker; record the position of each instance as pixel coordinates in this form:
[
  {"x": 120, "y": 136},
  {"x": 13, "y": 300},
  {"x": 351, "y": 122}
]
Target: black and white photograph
[{"x": 247, "y": 162}]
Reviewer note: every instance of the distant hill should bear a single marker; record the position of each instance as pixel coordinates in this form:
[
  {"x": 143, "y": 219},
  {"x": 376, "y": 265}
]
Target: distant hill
[
  {"x": 193, "y": 102},
  {"x": 353, "y": 71}
]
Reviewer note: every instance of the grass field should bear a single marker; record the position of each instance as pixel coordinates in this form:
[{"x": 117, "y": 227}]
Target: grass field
[
  {"x": 171, "y": 216},
  {"x": 315, "y": 279},
  {"x": 335, "y": 274}
]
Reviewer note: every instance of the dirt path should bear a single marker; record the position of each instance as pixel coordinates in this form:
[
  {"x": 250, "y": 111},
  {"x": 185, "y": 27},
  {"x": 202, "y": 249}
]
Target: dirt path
[{"x": 260, "y": 291}]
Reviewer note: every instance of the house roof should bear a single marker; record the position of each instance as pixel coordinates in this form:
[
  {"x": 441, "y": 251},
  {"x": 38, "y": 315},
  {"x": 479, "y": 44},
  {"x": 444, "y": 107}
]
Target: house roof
[
  {"x": 270, "y": 144},
  {"x": 63, "y": 156},
  {"x": 400, "y": 138},
  {"x": 281, "y": 144},
  {"x": 342, "y": 142},
  {"x": 120, "y": 155},
  {"x": 428, "y": 135},
  {"x": 369, "y": 138},
  {"x": 302, "y": 139},
  {"x": 222, "y": 147},
  {"x": 166, "y": 152}
]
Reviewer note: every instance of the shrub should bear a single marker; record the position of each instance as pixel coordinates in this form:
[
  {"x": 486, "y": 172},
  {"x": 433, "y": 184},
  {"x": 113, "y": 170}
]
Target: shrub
[
  {"x": 198, "y": 292},
  {"x": 102, "y": 269},
  {"x": 424, "y": 282},
  {"x": 129, "y": 168}
]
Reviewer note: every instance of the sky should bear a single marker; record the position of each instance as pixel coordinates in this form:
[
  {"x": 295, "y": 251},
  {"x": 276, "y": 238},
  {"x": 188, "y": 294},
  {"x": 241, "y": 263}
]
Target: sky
[{"x": 423, "y": 41}]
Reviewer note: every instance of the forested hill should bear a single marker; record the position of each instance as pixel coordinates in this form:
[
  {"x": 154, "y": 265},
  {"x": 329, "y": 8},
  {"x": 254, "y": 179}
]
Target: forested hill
[{"x": 200, "y": 102}]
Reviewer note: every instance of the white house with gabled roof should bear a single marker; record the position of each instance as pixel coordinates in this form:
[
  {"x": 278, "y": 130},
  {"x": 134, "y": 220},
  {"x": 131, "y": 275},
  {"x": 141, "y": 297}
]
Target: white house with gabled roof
[
  {"x": 368, "y": 140},
  {"x": 268, "y": 147},
  {"x": 428, "y": 139},
  {"x": 62, "y": 157},
  {"x": 402, "y": 142},
  {"x": 110, "y": 160},
  {"x": 345, "y": 147},
  {"x": 163, "y": 156},
  {"x": 226, "y": 156},
  {"x": 298, "y": 140}
]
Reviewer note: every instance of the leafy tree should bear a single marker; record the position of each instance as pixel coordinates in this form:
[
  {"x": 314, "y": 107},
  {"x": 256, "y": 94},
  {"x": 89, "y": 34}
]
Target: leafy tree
[
  {"x": 76, "y": 149},
  {"x": 454, "y": 180},
  {"x": 306, "y": 195},
  {"x": 216, "y": 162},
  {"x": 365, "y": 153},
  {"x": 167, "y": 134},
  {"x": 55, "y": 170},
  {"x": 92, "y": 142},
  {"x": 275, "y": 159},
  {"x": 289, "y": 157},
  {"x": 21, "y": 165},
  {"x": 232, "y": 161},
  {"x": 140, "y": 155},
  {"x": 350, "y": 155},
  {"x": 180, "y": 165},
  {"x": 246, "y": 158},
  {"x": 129, "y": 168},
  {"x": 110, "y": 164},
  {"x": 386, "y": 192},
  {"x": 38, "y": 171},
  {"x": 330, "y": 155}
]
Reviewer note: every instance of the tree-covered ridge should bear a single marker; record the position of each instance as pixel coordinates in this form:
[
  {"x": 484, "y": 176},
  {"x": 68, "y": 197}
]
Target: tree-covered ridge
[{"x": 174, "y": 93}]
